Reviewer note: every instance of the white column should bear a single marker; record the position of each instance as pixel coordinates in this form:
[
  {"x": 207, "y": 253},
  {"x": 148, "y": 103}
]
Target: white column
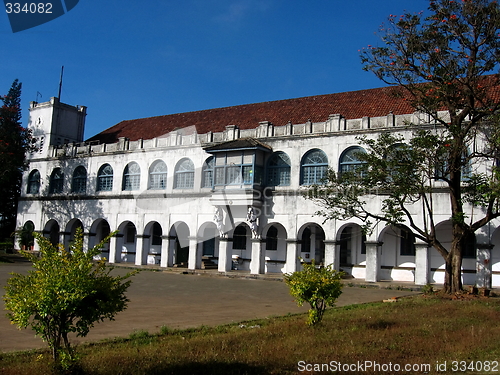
[
  {"x": 372, "y": 261},
  {"x": 332, "y": 254},
  {"x": 225, "y": 252},
  {"x": 292, "y": 256},
  {"x": 258, "y": 261},
  {"x": 86, "y": 241},
  {"x": 483, "y": 266},
  {"x": 166, "y": 252},
  {"x": 139, "y": 250},
  {"x": 173, "y": 248},
  {"x": 193, "y": 254},
  {"x": 113, "y": 242},
  {"x": 421, "y": 263}
]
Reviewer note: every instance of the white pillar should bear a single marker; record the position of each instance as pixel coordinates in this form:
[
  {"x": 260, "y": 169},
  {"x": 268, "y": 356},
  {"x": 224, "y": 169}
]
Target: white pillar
[
  {"x": 258, "y": 261},
  {"x": 193, "y": 254},
  {"x": 166, "y": 252},
  {"x": 372, "y": 261},
  {"x": 332, "y": 253},
  {"x": 86, "y": 241},
  {"x": 483, "y": 266},
  {"x": 292, "y": 256},
  {"x": 139, "y": 250},
  {"x": 421, "y": 263},
  {"x": 113, "y": 242},
  {"x": 173, "y": 248},
  {"x": 225, "y": 252}
]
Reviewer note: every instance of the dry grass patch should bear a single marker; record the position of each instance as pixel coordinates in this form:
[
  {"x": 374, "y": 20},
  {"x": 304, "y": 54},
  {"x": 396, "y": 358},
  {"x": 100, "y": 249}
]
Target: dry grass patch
[{"x": 415, "y": 330}]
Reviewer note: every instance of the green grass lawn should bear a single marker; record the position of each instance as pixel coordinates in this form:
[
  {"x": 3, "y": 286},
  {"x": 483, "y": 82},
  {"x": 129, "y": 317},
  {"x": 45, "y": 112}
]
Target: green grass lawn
[{"x": 415, "y": 331}]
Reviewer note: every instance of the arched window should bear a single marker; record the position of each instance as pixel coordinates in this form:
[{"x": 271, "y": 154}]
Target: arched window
[
  {"x": 184, "y": 174},
  {"x": 278, "y": 170},
  {"x": 158, "y": 176},
  {"x": 79, "y": 182},
  {"x": 349, "y": 160},
  {"x": 56, "y": 183},
  {"x": 105, "y": 178},
  {"x": 131, "y": 177},
  {"x": 313, "y": 167},
  {"x": 272, "y": 238},
  {"x": 208, "y": 173},
  {"x": 33, "y": 182}
]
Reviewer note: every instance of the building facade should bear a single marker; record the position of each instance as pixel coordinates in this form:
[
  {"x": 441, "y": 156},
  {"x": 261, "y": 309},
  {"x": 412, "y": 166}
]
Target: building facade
[{"x": 225, "y": 188}]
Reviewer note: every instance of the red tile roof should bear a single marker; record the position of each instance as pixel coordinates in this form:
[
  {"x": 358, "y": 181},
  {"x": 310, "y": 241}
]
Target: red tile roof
[{"x": 351, "y": 105}]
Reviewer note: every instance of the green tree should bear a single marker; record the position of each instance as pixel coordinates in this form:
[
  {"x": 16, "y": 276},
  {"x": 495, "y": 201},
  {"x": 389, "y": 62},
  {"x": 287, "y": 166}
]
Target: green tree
[
  {"x": 318, "y": 286},
  {"x": 446, "y": 64},
  {"x": 15, "y": 142},
  {"x": 68, "y": 291}
]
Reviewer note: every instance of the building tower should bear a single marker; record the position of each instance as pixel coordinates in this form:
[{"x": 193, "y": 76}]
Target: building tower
[{"x": 54, "y": 123}]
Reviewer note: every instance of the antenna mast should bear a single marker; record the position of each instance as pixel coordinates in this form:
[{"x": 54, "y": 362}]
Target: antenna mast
[{"x": 60, "y": 83}]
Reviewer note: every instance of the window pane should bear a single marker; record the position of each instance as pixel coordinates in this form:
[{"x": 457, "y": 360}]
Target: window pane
[
  {"x": 314, "y": 167},
  {"x": 208, "y": 173},
  {"x": 349, "y": 160},
  {"x": 248, "y": 175},
  {"x": 158, "y": 176},
  {"x": 208, "y": 178},
  {"x": 278, "y": 170},
  {"x": 233, "y": 175},
  {"x": 132, "y": 177},
  {"x": 184, "y": 175},
  {"x": 56, "y": 182},
  {"x": 34, "y": 182},
  {"x": 219, "y": 176},
  {"x": 79, "y": 183}
]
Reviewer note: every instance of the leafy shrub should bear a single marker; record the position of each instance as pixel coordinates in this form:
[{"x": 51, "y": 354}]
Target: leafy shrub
[
  {"x": 66, "y": 292},
  {"x": 318, "y": 286}
]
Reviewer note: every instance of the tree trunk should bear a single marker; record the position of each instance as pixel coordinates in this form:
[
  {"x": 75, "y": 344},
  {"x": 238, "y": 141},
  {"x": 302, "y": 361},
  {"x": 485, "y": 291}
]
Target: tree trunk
[{"x": 453, "y": 264}]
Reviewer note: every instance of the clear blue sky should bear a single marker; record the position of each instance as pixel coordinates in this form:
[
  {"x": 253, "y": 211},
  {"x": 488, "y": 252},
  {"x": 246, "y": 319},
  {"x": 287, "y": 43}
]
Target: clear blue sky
[{"x": 132, "y": 59}]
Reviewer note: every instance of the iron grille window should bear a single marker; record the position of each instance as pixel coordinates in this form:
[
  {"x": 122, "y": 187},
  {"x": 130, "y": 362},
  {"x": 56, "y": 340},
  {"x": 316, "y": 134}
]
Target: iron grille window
[
  {"x": 105, "y": 178},
  {"x": 314, "y": 167},
  {"x": 34, "y": 182},
  {"x": 349, "y": 160},
  {"x": 132, "y": 177},
  {"x": 208, "y": 172},
  {"x": 184, "y": 174},
  {"x": 56, "y": 181},
  {"x": 278, "y": 170},
  {"x": 158, "y": 176},
  {"x": 79, "y": 183}
]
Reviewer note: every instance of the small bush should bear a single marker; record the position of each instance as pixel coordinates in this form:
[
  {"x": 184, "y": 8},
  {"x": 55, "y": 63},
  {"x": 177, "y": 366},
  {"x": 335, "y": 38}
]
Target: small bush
[{"x": 320, "y": 287}]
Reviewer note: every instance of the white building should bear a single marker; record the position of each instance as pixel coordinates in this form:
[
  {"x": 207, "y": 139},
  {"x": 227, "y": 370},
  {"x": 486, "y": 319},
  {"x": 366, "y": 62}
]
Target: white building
[{"x": 224, "y": 187}]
